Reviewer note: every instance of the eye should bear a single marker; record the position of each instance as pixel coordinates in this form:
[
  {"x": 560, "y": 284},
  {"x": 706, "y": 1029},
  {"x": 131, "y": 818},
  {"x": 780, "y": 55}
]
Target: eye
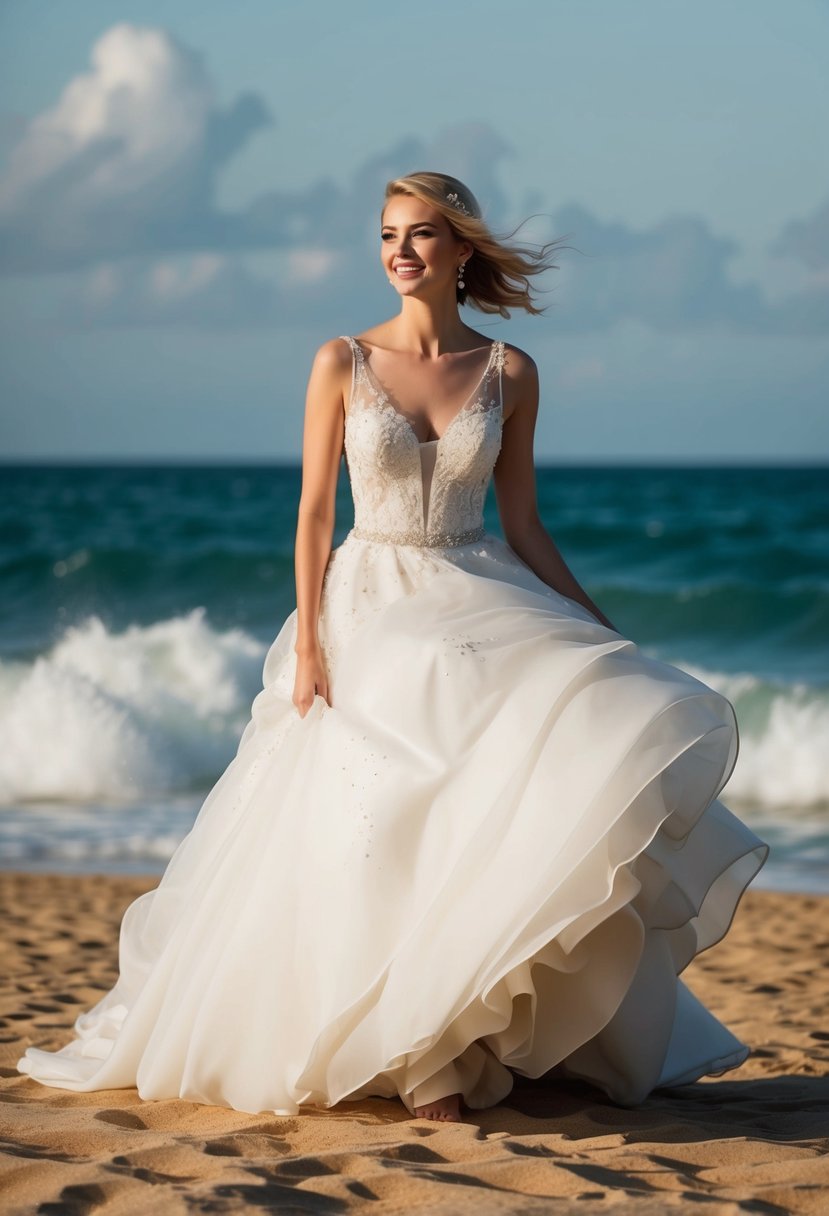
[{"x": 422, "y": 232}]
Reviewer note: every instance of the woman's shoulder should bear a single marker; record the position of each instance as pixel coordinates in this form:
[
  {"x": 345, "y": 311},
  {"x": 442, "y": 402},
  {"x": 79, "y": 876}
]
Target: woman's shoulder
[
  {"x": 518, "y": 364},
  {"x": 521, "y": 380},
  {"x": 334, "y": 354},
  {"x": 520, "y": 356},
  {"x": 340, "y": 350}
]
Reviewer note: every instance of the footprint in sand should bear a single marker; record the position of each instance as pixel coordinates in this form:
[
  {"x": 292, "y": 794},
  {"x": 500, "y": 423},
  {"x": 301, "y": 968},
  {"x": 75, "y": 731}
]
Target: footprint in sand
[
  {"x": 75, "y": 1200},
  {"x": 223, "y": 1148},
  {"x": 247, "y": 1144},
  {"x": 122, "y": 1118}
]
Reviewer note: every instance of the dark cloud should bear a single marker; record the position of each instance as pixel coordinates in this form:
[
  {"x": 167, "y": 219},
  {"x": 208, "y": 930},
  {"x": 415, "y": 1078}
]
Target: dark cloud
[
  {"x": 12, "y": 129},
  {"x": 806, "y": 240},
  {"x": 671, "y": 276}
]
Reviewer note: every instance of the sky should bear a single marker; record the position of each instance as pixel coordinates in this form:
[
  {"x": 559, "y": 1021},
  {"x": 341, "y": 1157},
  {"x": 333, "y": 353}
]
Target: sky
[{"x": 190, "y": 201}]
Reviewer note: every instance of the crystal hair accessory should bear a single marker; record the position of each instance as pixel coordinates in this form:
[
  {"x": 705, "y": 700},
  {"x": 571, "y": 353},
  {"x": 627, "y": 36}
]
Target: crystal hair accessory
[{"x": 456, "y": 202}]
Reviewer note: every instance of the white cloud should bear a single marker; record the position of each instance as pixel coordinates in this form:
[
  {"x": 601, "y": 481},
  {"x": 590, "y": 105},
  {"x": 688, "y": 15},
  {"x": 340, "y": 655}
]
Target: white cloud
[
  {"x": 124, "y": 161},
  {"x": 122, "y": 172},
  {"x": 179, "y": 280},
  {"x": 205, "y": 290}
]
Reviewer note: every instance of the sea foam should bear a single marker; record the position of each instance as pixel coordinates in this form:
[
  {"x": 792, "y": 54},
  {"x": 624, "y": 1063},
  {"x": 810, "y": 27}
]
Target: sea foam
[
  {"x": 119, "y": 716},
  {"x": 784, "y": 739}
]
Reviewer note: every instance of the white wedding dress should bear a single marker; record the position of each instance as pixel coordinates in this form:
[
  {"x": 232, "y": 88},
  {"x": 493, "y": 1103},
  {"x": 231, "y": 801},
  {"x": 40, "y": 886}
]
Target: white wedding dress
[{"x": 492, "y": 854}]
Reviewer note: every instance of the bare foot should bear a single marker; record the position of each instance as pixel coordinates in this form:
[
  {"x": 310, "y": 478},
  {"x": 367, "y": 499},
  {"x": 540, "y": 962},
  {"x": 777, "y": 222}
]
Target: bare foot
[{"x": 448, "y": 1109}]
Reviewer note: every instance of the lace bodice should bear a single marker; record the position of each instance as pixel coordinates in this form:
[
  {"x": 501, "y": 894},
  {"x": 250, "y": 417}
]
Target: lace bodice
[{"x": 411, "y": 492}]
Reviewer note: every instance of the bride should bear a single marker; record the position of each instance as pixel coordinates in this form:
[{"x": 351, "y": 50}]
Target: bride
[{"x": 470, "y": 830}]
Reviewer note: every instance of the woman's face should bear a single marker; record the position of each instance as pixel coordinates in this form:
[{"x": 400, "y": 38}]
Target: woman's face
[{"x": 420, "y": 253}]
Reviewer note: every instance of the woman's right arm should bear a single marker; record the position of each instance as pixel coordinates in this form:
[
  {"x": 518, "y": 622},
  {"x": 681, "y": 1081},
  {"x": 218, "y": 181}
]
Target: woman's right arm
[{"x": 322, "y": 445}]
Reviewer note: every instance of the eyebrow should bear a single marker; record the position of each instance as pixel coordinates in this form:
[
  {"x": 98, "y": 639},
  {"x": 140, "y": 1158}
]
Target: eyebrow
[{"x": 420, "y": 224}]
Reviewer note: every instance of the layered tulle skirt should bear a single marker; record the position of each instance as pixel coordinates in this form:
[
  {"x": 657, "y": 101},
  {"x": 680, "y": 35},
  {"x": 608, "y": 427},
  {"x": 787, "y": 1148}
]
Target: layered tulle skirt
[{"x": 492, "y": 854}]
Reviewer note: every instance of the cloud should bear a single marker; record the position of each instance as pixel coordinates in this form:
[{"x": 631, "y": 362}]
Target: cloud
[
  {"x": 671, "y": 276},
  {"x": 12, "y": 129},
  {"x": 806, "y": 240},
  {"x": 202, "y": 290},
  {"x": 207, "y": 291},
  {"x": 118, "y": 181},
  {"x": 125, "y": 162}
]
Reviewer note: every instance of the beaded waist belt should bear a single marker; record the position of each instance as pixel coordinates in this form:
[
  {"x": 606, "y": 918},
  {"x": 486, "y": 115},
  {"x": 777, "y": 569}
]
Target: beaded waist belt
[{"x": 439, "y": 540}]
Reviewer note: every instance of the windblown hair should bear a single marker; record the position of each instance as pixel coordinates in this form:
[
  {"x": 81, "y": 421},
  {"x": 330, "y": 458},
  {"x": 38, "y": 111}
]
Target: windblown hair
[{"x": 497, "y": 275}]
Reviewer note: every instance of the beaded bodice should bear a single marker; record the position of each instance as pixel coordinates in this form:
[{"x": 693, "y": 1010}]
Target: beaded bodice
[{"x": 410, "y": 492}]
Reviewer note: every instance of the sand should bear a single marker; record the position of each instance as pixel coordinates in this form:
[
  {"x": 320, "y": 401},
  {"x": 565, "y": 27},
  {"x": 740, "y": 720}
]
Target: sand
[{"x": 752, "y": 1141}]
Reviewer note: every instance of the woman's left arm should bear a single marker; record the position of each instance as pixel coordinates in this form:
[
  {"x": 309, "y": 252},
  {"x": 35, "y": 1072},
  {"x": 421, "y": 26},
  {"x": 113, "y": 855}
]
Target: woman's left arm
[{"x": 515, "y": 493}]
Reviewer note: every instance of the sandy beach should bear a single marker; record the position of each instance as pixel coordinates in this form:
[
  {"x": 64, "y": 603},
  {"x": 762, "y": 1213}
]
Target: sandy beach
[{"x": 752, "y": 1141}]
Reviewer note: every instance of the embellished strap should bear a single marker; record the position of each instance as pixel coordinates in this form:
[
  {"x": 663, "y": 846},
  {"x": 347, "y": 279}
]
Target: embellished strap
[
  {"x": 356, "y": 349},
  {"x": 357, "y": 364},
  {"x": 498, "y": 359}
]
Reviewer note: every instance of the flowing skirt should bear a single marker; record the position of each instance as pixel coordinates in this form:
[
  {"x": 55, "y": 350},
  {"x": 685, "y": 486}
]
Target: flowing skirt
[{"x": 492, "y": 854}]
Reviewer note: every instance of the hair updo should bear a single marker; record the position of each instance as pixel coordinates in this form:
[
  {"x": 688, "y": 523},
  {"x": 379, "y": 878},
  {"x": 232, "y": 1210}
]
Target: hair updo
[{"x": 496, "y": 276}]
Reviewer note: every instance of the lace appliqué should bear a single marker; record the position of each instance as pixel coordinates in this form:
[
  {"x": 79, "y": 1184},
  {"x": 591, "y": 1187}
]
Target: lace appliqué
[{"x": 384, "y": 461}]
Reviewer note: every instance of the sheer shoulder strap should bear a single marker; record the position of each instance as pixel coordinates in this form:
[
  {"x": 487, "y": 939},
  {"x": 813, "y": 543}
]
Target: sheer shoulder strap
[
  {"x": 498, "y": 362},
  {"x": 356, "y": 364}
]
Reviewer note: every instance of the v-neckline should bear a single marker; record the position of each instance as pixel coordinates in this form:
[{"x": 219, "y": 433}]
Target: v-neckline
[{"x": 423, "y": 443}]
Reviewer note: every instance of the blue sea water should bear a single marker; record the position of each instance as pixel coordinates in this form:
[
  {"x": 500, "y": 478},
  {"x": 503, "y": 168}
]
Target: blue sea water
[{"x": 137, "y": 605}]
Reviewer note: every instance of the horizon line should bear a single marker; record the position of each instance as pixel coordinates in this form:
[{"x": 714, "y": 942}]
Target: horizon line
[{"x": 766, "y": 462}]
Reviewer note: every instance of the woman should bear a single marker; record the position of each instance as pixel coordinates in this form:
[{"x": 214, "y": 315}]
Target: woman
[{"x": 470, "y": 829}]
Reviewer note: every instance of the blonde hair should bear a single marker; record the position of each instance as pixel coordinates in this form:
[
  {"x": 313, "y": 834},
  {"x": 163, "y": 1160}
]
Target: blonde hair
[{"x": 497, "y": 276}]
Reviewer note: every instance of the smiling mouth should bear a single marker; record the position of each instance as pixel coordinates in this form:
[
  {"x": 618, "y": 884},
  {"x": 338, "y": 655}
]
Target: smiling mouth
[{"x": 408, "y": 272}]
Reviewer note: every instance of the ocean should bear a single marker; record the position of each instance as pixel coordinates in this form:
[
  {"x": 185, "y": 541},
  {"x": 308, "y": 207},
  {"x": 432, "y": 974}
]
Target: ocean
[{"x": 138, "y": 603}]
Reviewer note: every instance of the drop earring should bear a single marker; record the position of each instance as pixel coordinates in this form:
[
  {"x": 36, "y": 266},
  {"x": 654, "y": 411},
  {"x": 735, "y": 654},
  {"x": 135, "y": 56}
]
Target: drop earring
[{"x": 460, "y": 276}]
